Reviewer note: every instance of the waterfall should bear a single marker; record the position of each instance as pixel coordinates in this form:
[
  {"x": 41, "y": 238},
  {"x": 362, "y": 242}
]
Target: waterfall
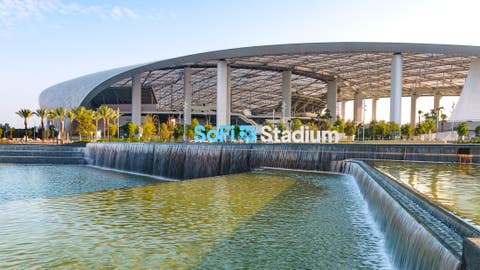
[
  {"x": 292, "y": 156},
  {"x": 410, "y": 244},
  {"x": 173, "y": 160},
  {"x": 187, "y": 161}
]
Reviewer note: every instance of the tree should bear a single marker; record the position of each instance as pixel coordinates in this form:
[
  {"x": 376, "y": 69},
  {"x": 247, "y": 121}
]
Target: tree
[
  {"x": 382, "y": 129},
  {"x": 148, "y": 127},
  {"x": 296, "y": 124},
  {"x": 236, "y": 130},
  {"x": 462, "y": 129},
  {"x": 429, "y": 124},
  {"x": 103, "y": 113},
  {"x": 114, "y": 115},
  {"x": 164, "y": 133},
  {"x": 339, "y": 125},
  {"x": 191, "y": 128},
  {"x": 71, "y": 115},
  {"x": 1, "y": 133},
  {"x": 86, "y": 120},
  {"x": 373, "y": 129},
  {"x": 420, "y": 129},
  {"x": 51, "y": 116},
  {"x": 326, "y": 115},
  {"x": 131, "y": 129},
  {"x": 25, "y": 114},
  {"x": 42, "y": 113},
  {"x": 444, "y": 119},
  {"x": 406, "y": 130},
  {"x": 12, "y": 129},
  {"x": 208, "y": 127},
  {"x": 112, "y": 129},
  {"x": 268, "y": 123},
  {"x": 325, "y": 124},
  {"x": 420, "y": 116},
  {"x": 281, "y": 126},
  {"x": 350, "y": 128},
  {"x": 477, "y": 131},
  {"x": 312, "y": 126},
  {"x": 393, "y": 129},
  {"x": 178, "y": 132},
  {"x": 60, "y": 113},
  {"x": 83, "y": 121}
]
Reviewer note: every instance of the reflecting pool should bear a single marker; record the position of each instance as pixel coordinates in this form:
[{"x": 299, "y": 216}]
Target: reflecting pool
[
  {"x": 19, "y": 182},
  {"x": 454, "y": 186},
  {"x": 261, "y": 220}
]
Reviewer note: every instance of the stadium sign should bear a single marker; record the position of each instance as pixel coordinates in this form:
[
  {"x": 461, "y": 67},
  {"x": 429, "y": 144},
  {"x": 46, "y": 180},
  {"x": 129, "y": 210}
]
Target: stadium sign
[{"x": 248, "y": 134}]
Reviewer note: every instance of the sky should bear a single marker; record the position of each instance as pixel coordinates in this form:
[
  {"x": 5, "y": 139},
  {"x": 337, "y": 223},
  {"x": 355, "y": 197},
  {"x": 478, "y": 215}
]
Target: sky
[{"x": 44, "y": 42}]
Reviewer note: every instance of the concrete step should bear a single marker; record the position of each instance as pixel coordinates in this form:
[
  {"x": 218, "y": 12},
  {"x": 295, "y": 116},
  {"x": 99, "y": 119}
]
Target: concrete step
[
  {"x": 42, "y": 160},
  {"x": 39, "y": 153},
  {"x": 30, "y": 147},
  {"x": 15, "y": 153}
]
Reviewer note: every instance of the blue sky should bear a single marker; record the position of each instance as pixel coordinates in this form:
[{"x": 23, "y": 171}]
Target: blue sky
[{"x": 49, "y": 41}]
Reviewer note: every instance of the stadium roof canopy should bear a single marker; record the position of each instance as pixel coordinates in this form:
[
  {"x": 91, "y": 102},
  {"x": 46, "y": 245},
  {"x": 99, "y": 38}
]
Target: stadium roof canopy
[{"x": 256, "y": 77}]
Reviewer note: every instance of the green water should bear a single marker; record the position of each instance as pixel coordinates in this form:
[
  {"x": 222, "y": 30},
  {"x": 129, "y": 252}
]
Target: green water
[
  {"x": 251, "y": 220},
  {"x": 454, "y": 186}
]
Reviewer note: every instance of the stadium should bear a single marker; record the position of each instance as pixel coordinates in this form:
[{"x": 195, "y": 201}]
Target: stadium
[{"x": 279, "y": 82}]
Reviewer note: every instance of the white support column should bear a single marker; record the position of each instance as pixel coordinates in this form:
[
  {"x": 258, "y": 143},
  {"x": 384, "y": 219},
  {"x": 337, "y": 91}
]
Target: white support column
[
  {"x": 187, "y": 88},
  {"x": 413, "y": 109},
  {"x": 222, "y": 93},
  {"x": 436, "y": 100},
  {"x": 374, "y": 109},
  {"x": 286, "y": 96},
  {"x": 357, "y": 107},
  {"x": 332, "y": 99},
  {"x": 137, "y": 100},
  {"x": 343, "y": 109},
  {"x": 229, "y": 94},
  {"x": 396, "y": 89}
]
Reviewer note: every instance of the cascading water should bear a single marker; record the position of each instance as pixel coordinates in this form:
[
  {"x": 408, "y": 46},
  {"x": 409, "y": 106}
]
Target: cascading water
[
  {"x": 177, "y": 161},
  {"x": 187, "y": 161},
  {"x": 410, "y": 244}
]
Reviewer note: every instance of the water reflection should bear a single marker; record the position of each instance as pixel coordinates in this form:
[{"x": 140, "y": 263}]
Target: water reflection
[
  {"x": 455, "y": 186},
  {"x": 238, "y": 221}
]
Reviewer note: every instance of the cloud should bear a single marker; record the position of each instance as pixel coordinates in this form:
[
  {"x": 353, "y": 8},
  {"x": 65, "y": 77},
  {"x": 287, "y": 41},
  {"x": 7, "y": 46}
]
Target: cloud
[{"x": 16, "y": 11}]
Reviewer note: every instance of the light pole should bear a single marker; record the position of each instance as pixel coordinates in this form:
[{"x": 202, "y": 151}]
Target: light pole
[
  {"x": 118, "y": 122},
  {"x": 453, "y": 121},
  {"x": 363, "y": 119},
  {"x": 437, "y": 116},
  {"x": 34, "y": 130}
]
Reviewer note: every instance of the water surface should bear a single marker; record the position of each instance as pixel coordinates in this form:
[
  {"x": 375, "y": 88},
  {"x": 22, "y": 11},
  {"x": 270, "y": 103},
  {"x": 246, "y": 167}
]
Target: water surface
[
  {"x": 19, "y": 182},
  {"x": 454, "y": 186},
  {"x": 251, "y": 220}
]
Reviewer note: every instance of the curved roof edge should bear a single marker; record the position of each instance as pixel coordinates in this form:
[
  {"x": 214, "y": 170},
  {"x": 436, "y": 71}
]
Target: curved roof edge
[{"x": 78, "y": 91}]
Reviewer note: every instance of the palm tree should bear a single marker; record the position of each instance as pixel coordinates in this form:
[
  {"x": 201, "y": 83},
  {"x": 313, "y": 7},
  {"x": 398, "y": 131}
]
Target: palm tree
[
  {"x": 444, "y": 119},
  {"x": 114, "y": 115},
  {"x": 420, "y": 116},
  {"x": 51, "y": 115},
  {"x": 71, "y": 115},
  {"x": 42, "y": 113},
  {"x": 60, "y": 113},
  {"x": 25, "y": 114},
  {"x": 80, "y": 116},
  {"x": 103, "y": 113}
]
